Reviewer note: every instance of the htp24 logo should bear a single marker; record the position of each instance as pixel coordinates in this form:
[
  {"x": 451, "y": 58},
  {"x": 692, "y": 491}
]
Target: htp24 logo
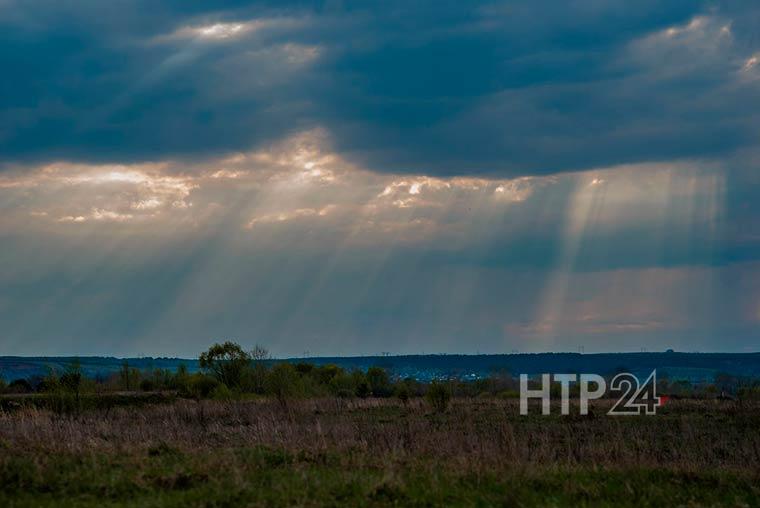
[{"x": 635, "y": 398}]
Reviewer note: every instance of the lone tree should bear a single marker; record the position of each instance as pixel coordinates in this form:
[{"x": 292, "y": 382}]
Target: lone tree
[{"x": 226, "y": 362}]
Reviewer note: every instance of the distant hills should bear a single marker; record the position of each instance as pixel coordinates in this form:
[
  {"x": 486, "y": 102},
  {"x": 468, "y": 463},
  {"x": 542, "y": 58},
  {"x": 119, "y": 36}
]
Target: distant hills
[
  {"x": 695, "y": 367},
  {"x": 15, "y": 367}
]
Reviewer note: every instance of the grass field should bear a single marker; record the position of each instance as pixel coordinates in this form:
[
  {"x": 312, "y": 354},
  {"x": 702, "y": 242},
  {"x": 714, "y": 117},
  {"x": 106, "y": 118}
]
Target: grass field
[{"x": 379, "y": 452}]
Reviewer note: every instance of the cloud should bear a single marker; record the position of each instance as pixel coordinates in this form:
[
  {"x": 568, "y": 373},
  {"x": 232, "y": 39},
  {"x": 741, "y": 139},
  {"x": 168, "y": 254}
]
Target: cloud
[
  {"x": 79, "y": 193},
  {"x": 525, "y": 174},
  {"x": 298, "y": 248},
  {"x": 290, "y": 215},
  {"x": 487, "y": 88},
  {"x": 667, "y": 213}
]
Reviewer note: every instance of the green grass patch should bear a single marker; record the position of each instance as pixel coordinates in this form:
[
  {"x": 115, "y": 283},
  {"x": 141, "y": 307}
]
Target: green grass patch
[{"x": 163, "y": 476}]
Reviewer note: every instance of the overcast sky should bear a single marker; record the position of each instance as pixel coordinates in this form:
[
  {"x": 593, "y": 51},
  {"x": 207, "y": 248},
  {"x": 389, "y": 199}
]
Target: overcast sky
[{"x": 345, "y": 178}]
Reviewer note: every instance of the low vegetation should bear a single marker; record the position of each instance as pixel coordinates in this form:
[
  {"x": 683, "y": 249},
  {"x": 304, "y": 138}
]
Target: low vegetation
[
  {"x": 379, "y": 452},
  {"x": 250, "y": 431}
]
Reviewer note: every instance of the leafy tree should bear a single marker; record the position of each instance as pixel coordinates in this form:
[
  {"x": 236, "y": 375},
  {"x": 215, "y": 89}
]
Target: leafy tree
[{"x": 226, "y": 362}]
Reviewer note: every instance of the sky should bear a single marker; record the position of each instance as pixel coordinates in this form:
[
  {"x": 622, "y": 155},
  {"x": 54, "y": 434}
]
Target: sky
[{"x": 351, "y": 178}]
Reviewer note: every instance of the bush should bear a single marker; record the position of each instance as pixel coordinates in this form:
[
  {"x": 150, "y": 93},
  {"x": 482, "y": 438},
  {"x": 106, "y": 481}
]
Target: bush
[
  {"x": 304, "y": 368},
  {"x": 221, "y": 392},
  {"x": 62, "y": 402},
  {"x": 360, "y": 384},
  {"x": 20, "y": 386},
  {"x": 379, "y": 383},
  {"x": 326, "y": 374},
  {"x": 403, "y": 393},
  {"x": 284, "y": 383},
  {"x": 342, "y": 385},
  {"x": 147, "y": 385},
  {"x": 363, "y": 390},
  {"x": 71, "y": 380},
  {"x": 438, "y": 396},
  {"x": 180, "y": 381},
  {"x": 49, "y": 383},
  {"x": 201, "y": 386}
]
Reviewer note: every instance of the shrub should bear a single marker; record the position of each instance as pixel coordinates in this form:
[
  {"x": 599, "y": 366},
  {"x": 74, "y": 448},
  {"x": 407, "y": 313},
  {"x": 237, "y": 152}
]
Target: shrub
[
  {"x": 379, "y": 383},
  {"x": 20, "y": 386},
  {"x": 360, "y": 384},
  {"x": 71, "y": 380},
  {"x": 49, "y": 383},
  {"x": 63, "y": 402},
  {"x": 304, "y": 368},
  {"x": 402, "y": 392},
  {"x": 284, "y": 383},
  {"x": 438, "y": 396},
  {"x": 200, "y": 385},
  {"x": 221, "y": 392},
  {"x": 363, "y": 390},
  {"x": 326, "y": 374},
  {"x": 341, "y": 385},
  {"x": 147, "y": 385},
  {"x": 180, "y": 381}
]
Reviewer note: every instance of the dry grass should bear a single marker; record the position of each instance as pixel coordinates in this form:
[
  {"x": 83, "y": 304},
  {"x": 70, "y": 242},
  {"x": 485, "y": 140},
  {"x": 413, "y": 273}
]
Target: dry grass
[
  {"x": 472, "y": 435},
  {"x": 379, "y": 453}
]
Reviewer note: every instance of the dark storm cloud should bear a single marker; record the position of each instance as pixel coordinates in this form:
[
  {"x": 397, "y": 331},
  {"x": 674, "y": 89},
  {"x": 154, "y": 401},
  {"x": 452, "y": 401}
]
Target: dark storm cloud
[{"x": 433, "y": 87}]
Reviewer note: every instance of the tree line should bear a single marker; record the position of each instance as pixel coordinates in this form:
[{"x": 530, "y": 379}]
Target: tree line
[{"x": 228, "y": 371}]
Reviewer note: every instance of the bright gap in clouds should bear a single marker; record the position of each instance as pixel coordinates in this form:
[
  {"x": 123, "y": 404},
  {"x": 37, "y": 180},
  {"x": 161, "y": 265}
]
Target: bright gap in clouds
[
  {"x": 221, "y": 30},
  {"x": 325, "y": 250}
]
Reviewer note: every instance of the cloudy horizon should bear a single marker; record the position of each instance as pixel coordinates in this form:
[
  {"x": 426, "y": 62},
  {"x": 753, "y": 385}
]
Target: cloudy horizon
[{"x": 404, "y": 177}]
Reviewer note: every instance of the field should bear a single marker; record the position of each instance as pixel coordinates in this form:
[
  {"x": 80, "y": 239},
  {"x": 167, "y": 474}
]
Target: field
[{"x": 379, "y": 452}]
